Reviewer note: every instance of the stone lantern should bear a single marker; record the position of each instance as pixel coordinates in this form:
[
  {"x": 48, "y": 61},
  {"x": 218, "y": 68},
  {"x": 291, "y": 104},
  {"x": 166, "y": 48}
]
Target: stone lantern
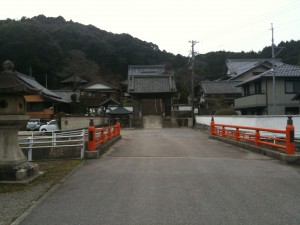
[{"x": 14, "y": 166}]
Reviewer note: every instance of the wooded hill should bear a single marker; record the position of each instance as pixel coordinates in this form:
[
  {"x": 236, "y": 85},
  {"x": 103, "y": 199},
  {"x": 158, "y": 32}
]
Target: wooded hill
[{"x": 59, "y": 48}]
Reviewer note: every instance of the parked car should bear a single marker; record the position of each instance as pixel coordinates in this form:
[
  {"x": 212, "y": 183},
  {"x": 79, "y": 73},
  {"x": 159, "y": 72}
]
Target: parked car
[
  {"x": 51, "y": 126},
  {"x": 35, "y": 123}
]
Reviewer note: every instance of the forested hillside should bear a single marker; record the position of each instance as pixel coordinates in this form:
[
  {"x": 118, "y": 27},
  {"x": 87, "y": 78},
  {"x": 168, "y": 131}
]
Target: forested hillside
[{"x": 43, "y": 45}]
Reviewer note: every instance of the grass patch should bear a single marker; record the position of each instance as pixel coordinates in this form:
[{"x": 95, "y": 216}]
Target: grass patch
[{"x": 55, "y": 170}]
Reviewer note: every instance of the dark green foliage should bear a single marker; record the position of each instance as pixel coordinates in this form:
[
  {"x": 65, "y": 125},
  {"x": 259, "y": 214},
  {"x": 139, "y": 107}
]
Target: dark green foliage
[
  {"x": 225, "y": 112},
  {"x": 59, "y": 48}
]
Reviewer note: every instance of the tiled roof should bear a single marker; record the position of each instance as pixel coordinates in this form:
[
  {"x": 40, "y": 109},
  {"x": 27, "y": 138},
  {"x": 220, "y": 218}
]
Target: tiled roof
[
  {"x": 30, "y": 81},
  {"x": 98, "y": 85},
  {"x": 237, "y": 67},
  {"x": 109, "y": 101},
  {"x": 119, "y": 111},
  {"x": 74, "y": 78},
  {"x": 151, "y": 84},
  {"x": 146, "y": 69},
  {"x": 285, "y": 70},
  {"x": 66, "y": 94},
  {"x": 221, "y": 87}
]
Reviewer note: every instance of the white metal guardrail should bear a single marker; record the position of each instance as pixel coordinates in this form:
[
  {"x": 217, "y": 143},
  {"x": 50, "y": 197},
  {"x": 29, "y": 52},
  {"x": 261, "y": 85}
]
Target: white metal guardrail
[{"x": 63, "y": 139}]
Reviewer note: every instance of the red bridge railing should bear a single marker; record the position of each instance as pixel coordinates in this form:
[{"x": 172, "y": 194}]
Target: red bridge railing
[
  {"x": 99, "y": 136},
  {"x": 282, "y": 139}
]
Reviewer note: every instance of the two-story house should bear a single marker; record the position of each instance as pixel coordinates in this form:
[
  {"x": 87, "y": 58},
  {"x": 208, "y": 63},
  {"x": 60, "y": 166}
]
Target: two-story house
[
  {"x": 244, "y": 69},
  {"x": 258, "y": 92},
  {"x": 220, "y": 94}
]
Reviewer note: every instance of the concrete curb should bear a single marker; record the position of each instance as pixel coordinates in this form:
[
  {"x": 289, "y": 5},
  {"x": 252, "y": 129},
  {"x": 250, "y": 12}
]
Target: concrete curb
[
  {"x": 290, "y": 159},
  {"x": 45, "y": 196},
  {"x": 102, "y": 149}
]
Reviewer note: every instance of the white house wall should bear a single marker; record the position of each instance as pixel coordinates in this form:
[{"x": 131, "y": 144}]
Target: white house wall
[{"x": 283, "y": 100}]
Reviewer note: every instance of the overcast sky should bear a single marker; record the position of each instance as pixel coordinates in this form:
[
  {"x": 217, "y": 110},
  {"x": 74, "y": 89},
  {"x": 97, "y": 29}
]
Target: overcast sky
[{"x": 231, "y": 25}]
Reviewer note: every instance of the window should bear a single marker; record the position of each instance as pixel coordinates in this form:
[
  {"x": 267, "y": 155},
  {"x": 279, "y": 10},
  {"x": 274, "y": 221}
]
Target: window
[
  {"x": 246, "y": 89},
  {"x": 257, "y": 87},
  {"x": 292, "y": 86},
  {"x": 291, "y": 110},
  {"x": 35, "y": 107}
]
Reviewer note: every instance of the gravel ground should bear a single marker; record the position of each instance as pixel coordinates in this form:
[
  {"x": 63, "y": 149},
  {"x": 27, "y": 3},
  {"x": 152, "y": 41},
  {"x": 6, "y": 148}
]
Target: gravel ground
[{"x": 14, "y": 204}]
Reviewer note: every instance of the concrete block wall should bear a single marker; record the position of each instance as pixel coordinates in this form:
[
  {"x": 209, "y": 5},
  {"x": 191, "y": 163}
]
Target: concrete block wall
[{"x": 76, "y": 122}]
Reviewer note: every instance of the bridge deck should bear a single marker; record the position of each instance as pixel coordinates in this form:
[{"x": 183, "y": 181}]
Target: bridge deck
[{"x": 175, "y": 176}]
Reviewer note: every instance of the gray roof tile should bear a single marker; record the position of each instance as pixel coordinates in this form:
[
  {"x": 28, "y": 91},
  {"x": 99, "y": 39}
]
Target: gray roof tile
[
  {"x": 221, "y": 87},
  {"x": 151, "y": 84},
  {"x": 44, "y": 91},
  {"x": 285, "y": 70},
  {"x": 74, "y": 78},
  {"x": 237, "y": 67}
]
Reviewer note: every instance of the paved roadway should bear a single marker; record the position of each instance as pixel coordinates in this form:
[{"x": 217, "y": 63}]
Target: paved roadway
[{"x": 174, "y": 176}]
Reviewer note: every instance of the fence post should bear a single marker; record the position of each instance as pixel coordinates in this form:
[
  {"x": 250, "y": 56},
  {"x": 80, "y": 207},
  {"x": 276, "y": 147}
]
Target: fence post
[
  {"x": 83, "y": 144},
  {"x": 290, "y": 137},
  {"x": 53, "y": 138},
  {"x": 223, "y": 131},
  {"x": 212, "y": 126},
  {"x": 257, "y": 137},
  {"x": 29, "y": 153},
  {"x": 118, "y": 128},
  {"x": 91, "y": 136},
  {"x": 237, "y": 134},
  {"x": 108, "y": 133}
]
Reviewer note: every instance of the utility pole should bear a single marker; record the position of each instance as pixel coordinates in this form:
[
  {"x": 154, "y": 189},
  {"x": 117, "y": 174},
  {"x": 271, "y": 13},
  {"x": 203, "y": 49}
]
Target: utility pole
[
  {"x": 192, "y": 78},
  {"x": 273, "y": 72}
]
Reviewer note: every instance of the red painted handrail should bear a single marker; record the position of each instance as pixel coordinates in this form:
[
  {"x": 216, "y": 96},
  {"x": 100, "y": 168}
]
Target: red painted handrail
[
  {"x": 253, "y": 134},
  {"x": 99, "y": 136}
]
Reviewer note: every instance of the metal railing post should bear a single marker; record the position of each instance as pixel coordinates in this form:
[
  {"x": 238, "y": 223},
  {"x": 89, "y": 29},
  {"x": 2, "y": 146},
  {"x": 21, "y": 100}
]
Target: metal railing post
[
  {"x": 290, "y": 137},
  {"x": 29, "y": 153},
  {"x": 83, "y": 144},
  {"x": 53, "y": 139}
]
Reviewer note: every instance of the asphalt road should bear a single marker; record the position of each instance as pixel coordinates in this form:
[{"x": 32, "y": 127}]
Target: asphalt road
[{"x": 174, "y": 176}]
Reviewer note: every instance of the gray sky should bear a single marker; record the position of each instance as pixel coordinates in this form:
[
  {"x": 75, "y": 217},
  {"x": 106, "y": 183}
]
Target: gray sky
[{"x": 231, "y": 25}]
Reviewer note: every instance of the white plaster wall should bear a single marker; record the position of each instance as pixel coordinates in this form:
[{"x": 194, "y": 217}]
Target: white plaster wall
[{"x": 275, "y": 122}]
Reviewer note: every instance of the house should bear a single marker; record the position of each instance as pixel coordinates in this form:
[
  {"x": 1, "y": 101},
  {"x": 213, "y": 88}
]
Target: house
[
  {"x": 94, "y": 93},
  {"x": 258, "y": 92},
  {"x": 243, "y": 69},
  {"x": 43, "y": 105},
  {"x": 213, "y": 95},
  {"x": 297, "y": 97}
]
